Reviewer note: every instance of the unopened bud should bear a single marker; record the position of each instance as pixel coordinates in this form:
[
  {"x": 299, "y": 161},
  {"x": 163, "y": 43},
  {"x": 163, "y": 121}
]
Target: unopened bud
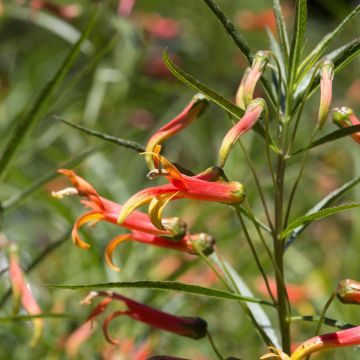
[
  {"x": 327, "y": 76},
  {"x": 252, "y": 114},
  {"x": 258, "y": 66},
  {"x": 239, "y": 99},
  {"x": 348, "y": 291},
  {"x": 345, "y": 117}
]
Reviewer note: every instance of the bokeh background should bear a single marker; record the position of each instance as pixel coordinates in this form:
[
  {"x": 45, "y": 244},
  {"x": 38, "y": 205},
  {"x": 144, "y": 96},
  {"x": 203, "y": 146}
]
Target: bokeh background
[{"x": 129, "y": 94}]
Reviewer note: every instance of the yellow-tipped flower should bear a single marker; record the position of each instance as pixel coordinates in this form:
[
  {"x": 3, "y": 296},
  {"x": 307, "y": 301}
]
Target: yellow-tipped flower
[
  {"x": 327, "y": 76},
  {"x": 252, "y": 114},
  {"x": 258, "y": 66},
  {"x": 192, "y": 111}
]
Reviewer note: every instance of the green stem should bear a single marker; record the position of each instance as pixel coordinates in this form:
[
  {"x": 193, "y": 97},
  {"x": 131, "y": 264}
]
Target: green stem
[{"x": 212, "y": 343}]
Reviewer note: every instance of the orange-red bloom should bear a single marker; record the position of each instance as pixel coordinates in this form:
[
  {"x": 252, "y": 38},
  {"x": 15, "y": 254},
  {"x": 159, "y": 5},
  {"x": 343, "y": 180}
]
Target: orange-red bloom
[
  {"x": 181, "y": 186},
  {"x": 192, "y": 111},
  {"x": 344, "y": 117},
  {"x": 348, "y": 291},
  {"x": 173, "y": 234},
  {"x": 191, "y": 327}
]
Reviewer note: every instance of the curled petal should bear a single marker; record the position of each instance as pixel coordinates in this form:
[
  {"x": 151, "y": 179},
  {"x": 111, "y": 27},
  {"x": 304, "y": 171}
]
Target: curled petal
[
  {"x": 106, "y": 325},
  {"x": 276, "y": 354},
  {"x": 110, "y": 248},
  {"x": 157, "y": 206},
  {"x": 87, "y": 217}
]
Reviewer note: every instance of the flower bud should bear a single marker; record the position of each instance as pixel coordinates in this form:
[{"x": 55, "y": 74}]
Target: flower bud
[
  {"x": 327, "y": 76},
  {"x": 258, "y": 66},
  {"x": 344, "y": 117},
  {"x": 175, "y": 226},
  {"x": 252, "y": 114},
  {"x": 348, "y": 291},
  {"x": 239, "y": 98}
]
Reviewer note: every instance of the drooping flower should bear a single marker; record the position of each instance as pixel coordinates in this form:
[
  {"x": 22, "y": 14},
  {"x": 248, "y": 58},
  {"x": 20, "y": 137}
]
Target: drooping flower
[
  {"x": 258, "y": 66},
  {"x": 172, "y": 236},
  {"x": 252, "y": 114},
  {"x": 192, "y": 111},
  {"x": 344, "y": 117},
  {"x": 327, "y": 76},
  {"x": 192, "y": 327},
  {"x": 343, "y": 338},
  {"x": 22, "y": 293},
  {"x": 107, "y": 210},
  {"x": 181, "y": 186},
  {"x": 348, "y": 291}
]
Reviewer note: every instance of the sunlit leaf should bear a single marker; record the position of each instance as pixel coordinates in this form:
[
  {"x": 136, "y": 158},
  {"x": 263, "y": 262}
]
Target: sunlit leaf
[{"x": 317, "y": 216}]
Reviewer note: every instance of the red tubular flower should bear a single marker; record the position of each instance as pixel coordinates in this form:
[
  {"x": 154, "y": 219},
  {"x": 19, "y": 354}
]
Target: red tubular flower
[
  {"x": 252, "y": 114},
  {"x": 258, "y": 66},
  {"x": 125, "y": 7},
  {"x": 327, "y": 76},
  {"x": 191, "y": 243},
  {"x": 192, "y": 111},
  {"x": 349, "y": 337},
  {"x": 348, "y": 291},
  {"x": 104, "y": 209},
  {"x": 344, "y": 117},
  {"x": 181, "y": 186},
  {"x": 195, "y": 328},
  {"x": 23, "y": 295}
]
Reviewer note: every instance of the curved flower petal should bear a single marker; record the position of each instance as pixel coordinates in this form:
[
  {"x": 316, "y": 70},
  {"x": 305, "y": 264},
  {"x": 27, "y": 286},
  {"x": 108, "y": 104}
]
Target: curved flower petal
[
  {"x": 111, "y": 247},
  {"x": 85, "y": 218}
]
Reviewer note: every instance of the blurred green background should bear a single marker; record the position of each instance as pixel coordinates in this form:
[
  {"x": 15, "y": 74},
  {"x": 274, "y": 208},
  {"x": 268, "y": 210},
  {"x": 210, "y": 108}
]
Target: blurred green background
[{"x": 129, "y": 94}]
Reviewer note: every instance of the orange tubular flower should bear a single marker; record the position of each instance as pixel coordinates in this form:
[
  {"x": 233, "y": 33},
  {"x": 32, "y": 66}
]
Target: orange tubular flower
[
  {"x": 174, "y": 237},
  {"x": 104, "y": 209},
  {"x": 344, "y": 117},
  {"x": 252, "y": 114},
  {"x": 348, "y": 291},
  {"x": 23, "y": 295},
  {"x": 327, "y": 76},
  {"x": 192, "y": 111},
  {"x": 189, "y": 243},
  {"x": 343, "y": 338},
  {"x": 195, "y": 328},
  {"x": 181, "y": 186},
  {"x": 258, "y": 66}
]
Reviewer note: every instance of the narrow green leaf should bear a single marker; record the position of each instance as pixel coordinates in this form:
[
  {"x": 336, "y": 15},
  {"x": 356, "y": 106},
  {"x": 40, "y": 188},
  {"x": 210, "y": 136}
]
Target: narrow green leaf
[
  {"x": 218, "y": 99},
  {"x": 281, "y": 27},
  {"x": 31, "y": 317},
  {"x": 298, "y": 36},
  {"x": 40, "y": 105},
  {"x": 326, "y": 201},
  {"x": 258, "y": 315},
  {"x": 166, "y": 285},
  {"x": 335, "y": 135},
  {"x": 116, "y": 140},
  {"x": 231, "y": 30},
  {"x": 327, "y": 321},
  {"x": 317, "y": 216},
  {"x": 320, "y": 48}
]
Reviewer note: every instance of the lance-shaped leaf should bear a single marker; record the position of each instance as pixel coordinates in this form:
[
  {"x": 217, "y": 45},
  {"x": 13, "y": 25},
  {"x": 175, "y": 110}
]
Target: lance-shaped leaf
[
  {"x": 281, "y": 28},
  {"x": 316, "y": 216},
  {"x": 167, "y": 285},
  {"x": 328, "y": 200},
  {"x": 320, "y": 48}
]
